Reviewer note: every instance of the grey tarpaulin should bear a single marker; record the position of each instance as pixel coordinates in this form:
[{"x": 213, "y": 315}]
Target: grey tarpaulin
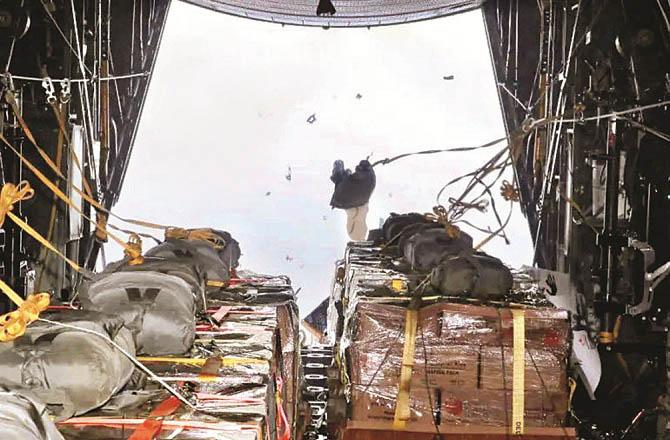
[
  {"x": 158, "y": 308},
  {"x": 24, "y": 417},
  {"x": 63, "y": 366}
]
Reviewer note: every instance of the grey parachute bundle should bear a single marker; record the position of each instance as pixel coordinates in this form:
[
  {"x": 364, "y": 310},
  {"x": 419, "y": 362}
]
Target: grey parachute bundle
[
  {"x": 156, "y": 302},
  {"x": 24, "y": 417},
  {"x": 69, "y": 368},
  {"x": 477, "y": 275}
]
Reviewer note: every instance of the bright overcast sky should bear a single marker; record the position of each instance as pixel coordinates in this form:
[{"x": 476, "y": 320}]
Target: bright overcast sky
[{"x": 226, "y": 117}]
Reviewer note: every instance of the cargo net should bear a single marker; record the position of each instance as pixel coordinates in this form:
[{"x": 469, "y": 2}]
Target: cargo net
[
  {"x": 346, "y": 12},
  {"x": 461, "y": 354}
]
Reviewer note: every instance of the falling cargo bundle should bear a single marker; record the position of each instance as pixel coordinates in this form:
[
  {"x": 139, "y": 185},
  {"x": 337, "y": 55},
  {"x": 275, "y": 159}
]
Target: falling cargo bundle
[
  {"x": 180, "y": 346},
  {"x": 435, "y": 337}
]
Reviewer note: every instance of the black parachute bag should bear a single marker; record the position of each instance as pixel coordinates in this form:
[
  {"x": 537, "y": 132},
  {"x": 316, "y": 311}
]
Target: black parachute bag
[
  {"x": 396, "y": 223},
  {"x": 475, "y": 275},
  {"x": 23, "y": 416},
  {"x": 71, "y": 370},
  {"x": 158, "y": 301},
  {"x": 230, "y": 253},
  {"x": 430, "y": 244},
  {"x": 415, "y": 228}
]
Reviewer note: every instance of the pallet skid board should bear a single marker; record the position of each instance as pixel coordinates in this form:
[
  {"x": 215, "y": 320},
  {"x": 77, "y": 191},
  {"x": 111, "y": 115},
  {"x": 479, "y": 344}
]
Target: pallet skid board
[{"x": 376, "y": 431}]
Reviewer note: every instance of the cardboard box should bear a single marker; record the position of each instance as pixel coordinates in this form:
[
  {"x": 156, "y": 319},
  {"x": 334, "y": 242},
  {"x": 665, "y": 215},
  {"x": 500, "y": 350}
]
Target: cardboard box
[
  {"x": 543, "y": 370},
  {"x": 458, "y": 407},
  {"x": 464, "y": 323},
  {"x": 447, "y": 366},
  {"x": 460, "y": 324}
]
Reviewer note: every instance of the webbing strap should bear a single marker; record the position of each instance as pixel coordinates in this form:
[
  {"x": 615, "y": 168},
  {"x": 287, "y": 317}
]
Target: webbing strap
[
  {"x": 87, "y": 194},
  {"x": 13, "y": 296},
  {"x": 43, "y": 241},
  {"x": 518, "y": 370},
  {"x": 200, "y": 362},
  {"x": 49, "y": 184},
  {"x": 151, "y": 426},
  {"x": 402, "y": 409},
  {"x": 13, "y": 324},
  {"x": 283, "y": 428}
]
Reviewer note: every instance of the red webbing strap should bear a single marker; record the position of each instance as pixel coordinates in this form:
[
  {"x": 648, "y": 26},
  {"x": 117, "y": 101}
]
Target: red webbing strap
[
  {"x": 153, "y": 424},
  {"x": 283, "y": 428},
  {"x": 221, "y": 313}
]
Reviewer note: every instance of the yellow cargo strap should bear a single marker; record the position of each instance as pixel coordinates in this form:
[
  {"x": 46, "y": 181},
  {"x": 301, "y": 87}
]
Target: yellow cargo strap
[
  {"x": 217, "y": 283},
  {"x": 133, "y": 250},
  {"x": 402, "y": 409},
  {"x": 13, "y": 324},
  {"x": 60, "y": 194},
  {"x": 398, "y": 285},
  {"x": 518, "y": 370},
  {"x": 86, "y": 195},
  {"x": 226, "y": 361},
  {"x": 196, "y": 234},
  {"x": 441, "y": 215},
  {"x": 572, "y": 385},
  {"x": 11, "y": 194}
]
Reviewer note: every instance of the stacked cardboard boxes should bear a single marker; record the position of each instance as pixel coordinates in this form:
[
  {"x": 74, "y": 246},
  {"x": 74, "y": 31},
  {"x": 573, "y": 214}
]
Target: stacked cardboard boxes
[{"x": 462, "y": 370}]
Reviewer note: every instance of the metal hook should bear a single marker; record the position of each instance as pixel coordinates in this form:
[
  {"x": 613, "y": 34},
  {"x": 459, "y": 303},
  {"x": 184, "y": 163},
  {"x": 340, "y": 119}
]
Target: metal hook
[
  {"x": 48, "y": 87},
  {"x": 65, "y": 91}
]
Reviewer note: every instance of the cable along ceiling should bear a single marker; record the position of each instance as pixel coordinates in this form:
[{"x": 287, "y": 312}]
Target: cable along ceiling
[{"x": 349, "y": 13}]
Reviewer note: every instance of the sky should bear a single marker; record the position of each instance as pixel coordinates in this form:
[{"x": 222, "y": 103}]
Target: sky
[{"x": 227, "y": 115}]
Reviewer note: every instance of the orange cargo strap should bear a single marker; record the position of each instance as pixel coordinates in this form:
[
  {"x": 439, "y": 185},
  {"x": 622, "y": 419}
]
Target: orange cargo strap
[
  {"x": 518, "y": 370},
  {"x": 402, "y": 409},
  {"x": 153, "y": 424}
]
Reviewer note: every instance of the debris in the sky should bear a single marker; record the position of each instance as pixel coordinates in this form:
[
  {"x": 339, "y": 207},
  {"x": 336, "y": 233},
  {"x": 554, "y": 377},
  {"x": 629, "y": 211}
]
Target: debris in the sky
[
  {"x": 312, "y": 118},
  {"x": 289, "y": 176},
  {"x": 289, "y": 258},
  {"x": 268, "y": 193},
  {"x": 448, "y": 77},
  {"x": 358, "y": 96},
  {"x": 325, "y": 218},
  {"x": 325, "y": 7}
]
